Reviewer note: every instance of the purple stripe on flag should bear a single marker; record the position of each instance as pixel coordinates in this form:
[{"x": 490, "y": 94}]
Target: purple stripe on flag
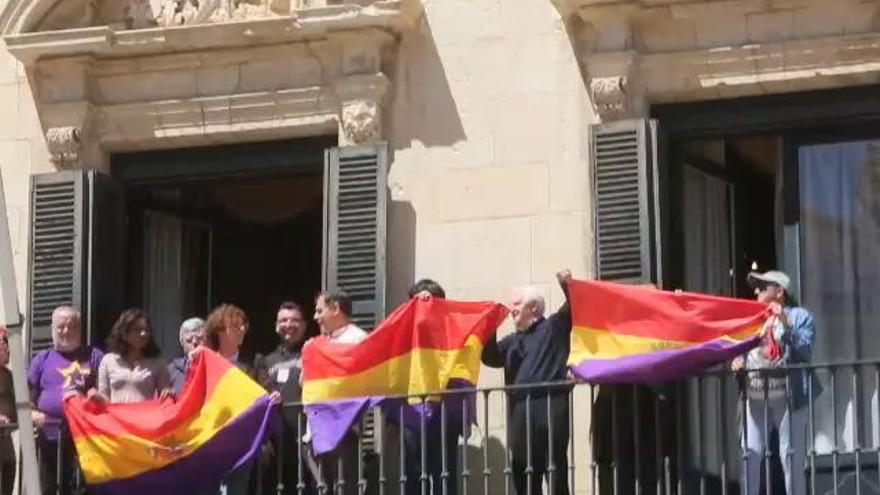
[
  {"x": 660, "y": 366},
  {"x": 330, "y": 421},
  {"x": 230, "y": 448}
]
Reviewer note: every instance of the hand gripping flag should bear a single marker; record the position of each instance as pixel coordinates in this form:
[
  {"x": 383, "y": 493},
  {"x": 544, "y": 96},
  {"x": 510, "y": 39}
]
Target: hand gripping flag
[
  {"x": 633, "y": 334},
  {"x": 424, "y": 347},
  {"x": 217, "y": 425}
]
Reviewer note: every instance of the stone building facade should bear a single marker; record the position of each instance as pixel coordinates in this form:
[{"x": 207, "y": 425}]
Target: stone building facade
[{"x": 487, "y": 107}]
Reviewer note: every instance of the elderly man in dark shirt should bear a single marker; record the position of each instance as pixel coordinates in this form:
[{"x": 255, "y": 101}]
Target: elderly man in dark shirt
[{"x": 537, "y": 352}]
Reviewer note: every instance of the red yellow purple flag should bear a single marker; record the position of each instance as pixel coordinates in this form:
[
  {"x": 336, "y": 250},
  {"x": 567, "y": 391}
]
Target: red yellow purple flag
[
  {"x": 424, "y": 347},
  {"x": 633, "y": 334},
  {"x": 217, "y": 424}
]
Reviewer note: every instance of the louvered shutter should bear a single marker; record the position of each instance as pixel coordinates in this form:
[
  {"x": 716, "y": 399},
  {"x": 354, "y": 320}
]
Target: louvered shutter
[
  {"x": 625, "y": 201},
  {"x": 355, "y": 197},
  {"x": 57, "y": 251},
  {"x": 77, "y": 252}
]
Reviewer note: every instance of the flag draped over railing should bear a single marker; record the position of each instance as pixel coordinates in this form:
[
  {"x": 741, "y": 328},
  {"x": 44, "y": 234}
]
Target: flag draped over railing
[
  {"x": 424, "y": 347},
  {"x": 217, "y": 424},
  {"x": 636, "y": 334}
]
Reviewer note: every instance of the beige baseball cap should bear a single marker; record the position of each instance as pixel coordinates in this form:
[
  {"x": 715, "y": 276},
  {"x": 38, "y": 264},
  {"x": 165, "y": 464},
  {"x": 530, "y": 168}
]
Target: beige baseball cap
[{"x": 770, "y": 277}]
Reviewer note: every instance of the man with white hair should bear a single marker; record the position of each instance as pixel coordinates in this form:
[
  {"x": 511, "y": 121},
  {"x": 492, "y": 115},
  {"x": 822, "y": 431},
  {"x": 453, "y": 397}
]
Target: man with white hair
[
  {"x": 192, "y": 335},
  {"x": 68, "y": 365},
  {"x": 537, "y": 352}
]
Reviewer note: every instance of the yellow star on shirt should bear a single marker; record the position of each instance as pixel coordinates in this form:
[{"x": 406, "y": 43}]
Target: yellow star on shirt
[{"x": 75, "y": 374}]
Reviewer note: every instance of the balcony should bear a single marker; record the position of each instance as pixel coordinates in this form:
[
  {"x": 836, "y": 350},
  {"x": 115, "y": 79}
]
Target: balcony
[{"x": 676, "y": 438}]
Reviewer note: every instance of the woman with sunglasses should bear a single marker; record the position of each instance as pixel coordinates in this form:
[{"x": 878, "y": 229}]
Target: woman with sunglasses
[{"x": 132, "y": 370}]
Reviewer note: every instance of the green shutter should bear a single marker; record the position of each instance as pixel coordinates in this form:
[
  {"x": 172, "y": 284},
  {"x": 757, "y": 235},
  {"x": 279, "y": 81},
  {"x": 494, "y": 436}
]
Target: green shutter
[
  {"x": 355, "y": 197},
  {"x": 77, "y": 252},
  {"x": 625, "y": 201},
  {"x": 57, "y": 251}
]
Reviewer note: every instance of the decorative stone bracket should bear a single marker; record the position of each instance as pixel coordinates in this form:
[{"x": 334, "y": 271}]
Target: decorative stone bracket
[{"x": 65, "y": 145}]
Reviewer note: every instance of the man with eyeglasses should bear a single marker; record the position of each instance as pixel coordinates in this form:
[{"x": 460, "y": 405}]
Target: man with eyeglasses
[
  {"x": 776, "y": 399},
  {"x": 280, "y": 371}
]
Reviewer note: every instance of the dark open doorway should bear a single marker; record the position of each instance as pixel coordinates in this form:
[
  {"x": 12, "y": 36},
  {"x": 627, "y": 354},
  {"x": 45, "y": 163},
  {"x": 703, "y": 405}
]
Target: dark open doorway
[{"x": 241, "y": 224}]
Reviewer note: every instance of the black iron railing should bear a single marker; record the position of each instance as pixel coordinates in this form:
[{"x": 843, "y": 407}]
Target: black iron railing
[{"x": 722, "y": 432}]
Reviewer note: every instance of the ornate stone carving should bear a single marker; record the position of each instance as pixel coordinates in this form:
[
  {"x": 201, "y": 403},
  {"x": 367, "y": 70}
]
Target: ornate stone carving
[
  {"x": 609, "y": 95},
  {"x": 190, "y": 12},
  {"x": 361, "y": 122},
  {"x": 65, "y": 145}
]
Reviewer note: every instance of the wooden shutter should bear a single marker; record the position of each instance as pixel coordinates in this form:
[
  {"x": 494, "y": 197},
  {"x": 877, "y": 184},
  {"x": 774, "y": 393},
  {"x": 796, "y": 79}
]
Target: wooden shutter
[
  {"x": 57, "y": 251},
  {"x": 77, "y": 252},
  {"x": 625, "y": 201},
  {"x": 355, "y": 197},
  {"x": 106, "y": 255}
]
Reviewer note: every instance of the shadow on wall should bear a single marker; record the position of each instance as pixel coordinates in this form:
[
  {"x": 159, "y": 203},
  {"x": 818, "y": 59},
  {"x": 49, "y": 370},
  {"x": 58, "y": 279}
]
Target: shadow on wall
[
  {"x": 424, "y": 109},
  {"x": 401, "y": 252}
]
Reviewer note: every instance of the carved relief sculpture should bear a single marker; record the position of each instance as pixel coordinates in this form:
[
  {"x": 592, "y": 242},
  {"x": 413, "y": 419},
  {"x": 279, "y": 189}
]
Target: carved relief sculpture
[
  {"x": 609, "y": 96},
  {"x": 191, "y": 12},
  {"x": 65, "y": 145},
  {"x": 361, "y": 122}
]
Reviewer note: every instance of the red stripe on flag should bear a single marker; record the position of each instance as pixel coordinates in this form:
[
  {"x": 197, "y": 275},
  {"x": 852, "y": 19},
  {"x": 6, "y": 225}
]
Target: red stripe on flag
[
  {"x": 433, "y": 324},
  {"x": 645, "y": 312}
]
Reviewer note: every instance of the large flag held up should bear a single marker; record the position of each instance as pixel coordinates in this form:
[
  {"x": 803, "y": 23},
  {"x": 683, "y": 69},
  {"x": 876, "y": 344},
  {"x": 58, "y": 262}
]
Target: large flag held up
[
  {"x": 424, "y": 347},
  {"x": 217, "y": 424},
  {"x": 633, "y": 334}
]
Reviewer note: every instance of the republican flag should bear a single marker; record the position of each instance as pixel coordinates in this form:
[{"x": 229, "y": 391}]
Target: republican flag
[
  {"x": 217, "y": 425},
  {"x": 424, "y": 347},
  {"x": 633, "y": 334}
]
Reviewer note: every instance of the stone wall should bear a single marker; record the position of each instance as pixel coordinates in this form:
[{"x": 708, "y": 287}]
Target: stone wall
[
  {"x": 23, "y": 151},
  {"x": 488, "y": 126}
]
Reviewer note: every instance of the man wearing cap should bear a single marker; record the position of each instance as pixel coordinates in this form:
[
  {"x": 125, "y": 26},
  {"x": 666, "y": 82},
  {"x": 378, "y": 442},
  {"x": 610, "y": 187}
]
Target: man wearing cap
[
  {"x": 192, "y": 335},
  {"x": 776, "y": 399}
]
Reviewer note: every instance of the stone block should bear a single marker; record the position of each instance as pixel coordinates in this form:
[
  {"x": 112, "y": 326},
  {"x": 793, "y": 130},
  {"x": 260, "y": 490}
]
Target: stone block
[
  {"x": 714, "y": 32},
  {"x": 661, "y": 33},
  {"x": 861, "y": 18},
  {"x": 215, "y": 81},
  {"x": 569, "y": 186},
  {"x": 15, "y": 160},
  {"x": 481, "y": 192},
  {"x": 449, "y": 27},
  {"x": 9, "y": 95},
  {"x": 558, "y": 241},
  {"x": 476, "y": 253},
  {"x": 9, "y": 68},
  {"x": 820, "y": 20},
  {"x": 528, "y": 129},
  {"x": 726, "y": 8},
  {"x": 264, "y": 75},
  {"x": 28, "y": 124},
  {"x": 776, "y": 26}
]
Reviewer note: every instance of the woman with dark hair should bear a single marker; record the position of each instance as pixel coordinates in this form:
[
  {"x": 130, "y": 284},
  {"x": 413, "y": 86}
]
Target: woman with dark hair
[{"x": 132, "y": 370}]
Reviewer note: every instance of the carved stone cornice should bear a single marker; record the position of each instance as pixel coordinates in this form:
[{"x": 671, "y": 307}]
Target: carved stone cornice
[
  {"x": 228, "y": 71},
  {"x": 687, "y": 50},
  {"x": 118, "y": 42}
]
